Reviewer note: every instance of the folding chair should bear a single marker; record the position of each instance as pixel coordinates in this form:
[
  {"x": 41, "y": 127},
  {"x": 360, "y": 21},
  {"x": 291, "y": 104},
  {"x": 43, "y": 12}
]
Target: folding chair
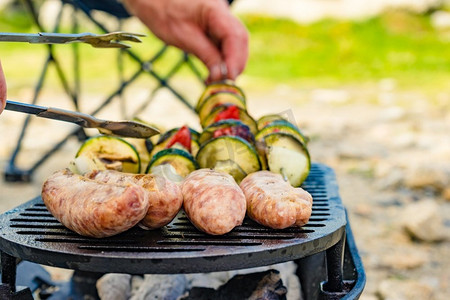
[{"x": 13, "y": 172}]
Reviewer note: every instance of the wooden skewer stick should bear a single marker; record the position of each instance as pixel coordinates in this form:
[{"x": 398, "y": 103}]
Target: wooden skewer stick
[{"x": 284, "y": 174}]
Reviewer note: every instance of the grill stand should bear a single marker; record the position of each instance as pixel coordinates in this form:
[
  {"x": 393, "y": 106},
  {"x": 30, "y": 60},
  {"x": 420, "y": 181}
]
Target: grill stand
[
  {"x": 329, "y": 266},
  {"x": 71, "y": 83},
  {"x": 321, "y": 275},
  {"x": 82, "y": 284},
  {"x": 335, "y": 260},
  {"x": 8, "y": 288}
]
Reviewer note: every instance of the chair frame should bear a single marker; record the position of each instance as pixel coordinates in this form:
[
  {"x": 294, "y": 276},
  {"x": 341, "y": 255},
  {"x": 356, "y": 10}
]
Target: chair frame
[{"x": 14, "y": 173}]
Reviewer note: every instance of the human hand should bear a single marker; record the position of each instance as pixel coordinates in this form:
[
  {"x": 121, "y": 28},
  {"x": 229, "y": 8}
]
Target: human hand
[
  {"x": 205, "y": 28},
  {"x": 2, "y": 89}
]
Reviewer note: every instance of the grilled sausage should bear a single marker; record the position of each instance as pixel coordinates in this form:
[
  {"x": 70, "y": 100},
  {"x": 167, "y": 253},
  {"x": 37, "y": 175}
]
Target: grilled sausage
[
  {"x": 92, "y": 208},
  {"x": 213, "y": 201},
  {"x": 164, "y": 196},
  {"x": 273, "y": 202}
]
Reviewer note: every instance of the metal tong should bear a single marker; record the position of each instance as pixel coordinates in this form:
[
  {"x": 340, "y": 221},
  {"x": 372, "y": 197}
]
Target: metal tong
[
  {"x": 108, "y": 40},
  {"x": 118, "y": 128}
]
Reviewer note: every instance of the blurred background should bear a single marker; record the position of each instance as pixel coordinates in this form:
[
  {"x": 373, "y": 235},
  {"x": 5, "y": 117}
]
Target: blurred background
[{"x": 368, "y": 82}]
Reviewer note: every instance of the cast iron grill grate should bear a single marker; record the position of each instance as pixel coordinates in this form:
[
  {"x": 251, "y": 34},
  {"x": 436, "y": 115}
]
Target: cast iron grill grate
[{"x": 32, "y": 233}]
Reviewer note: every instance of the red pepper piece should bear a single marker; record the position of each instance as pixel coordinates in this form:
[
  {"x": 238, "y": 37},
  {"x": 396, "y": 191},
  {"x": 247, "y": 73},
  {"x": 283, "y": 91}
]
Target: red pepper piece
[
  {"x": 231, "y": 112},
  {"x": 183, "y": 137}
]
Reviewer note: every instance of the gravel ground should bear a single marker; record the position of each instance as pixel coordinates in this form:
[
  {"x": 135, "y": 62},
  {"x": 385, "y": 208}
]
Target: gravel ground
[
  {"x": 389, "y": 149},
  {"x": 392, "y": 163}
]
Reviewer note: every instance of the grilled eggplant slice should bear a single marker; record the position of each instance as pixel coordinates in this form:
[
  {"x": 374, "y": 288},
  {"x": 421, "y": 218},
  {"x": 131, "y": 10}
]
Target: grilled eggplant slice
[
  {"x": 243, "y": 116},
  {"x": 226, "y": 127},
  {"x": 113, "y": 152},
  {"x": 182, "y": 161}
]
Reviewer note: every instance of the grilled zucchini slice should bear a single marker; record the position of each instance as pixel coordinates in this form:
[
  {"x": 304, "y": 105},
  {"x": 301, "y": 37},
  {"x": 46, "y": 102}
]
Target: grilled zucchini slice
[
  {"x": 287, "y": 156},
  {"x": 264, "y": 120},
  {"x": 282, "y": 126},
  {"x": 141, "y": 146},
  {"x": 182, "y": 161},
  {"x": 113, "y": 152},
  {"x": 230, "y": 167},
  {"x": 217, "y": 87},
  {"x": 226, "y": 148},
  {"x": 218, "y": 99}
]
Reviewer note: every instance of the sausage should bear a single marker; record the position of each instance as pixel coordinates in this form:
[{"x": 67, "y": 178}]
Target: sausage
[
  {"x": 164, "y": 196},
  {"x": 213, "y": 201},
  {"x": 92, "y": 208},
  {"x": 273, "y": 202}
]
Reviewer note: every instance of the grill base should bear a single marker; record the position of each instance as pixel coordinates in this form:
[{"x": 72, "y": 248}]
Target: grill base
[
  {"x": 31, "y": 277},
  {"x": 31, "y": 233}
]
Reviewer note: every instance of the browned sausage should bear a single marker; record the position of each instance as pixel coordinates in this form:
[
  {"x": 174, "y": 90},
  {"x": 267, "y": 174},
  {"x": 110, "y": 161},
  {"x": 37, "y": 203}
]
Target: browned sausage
[
  {"x": 165, "y": 198},
  {"x": 213, "y": 201},
  {"x": 92, "y": 208},
  {"x": 273, "y": 202}
]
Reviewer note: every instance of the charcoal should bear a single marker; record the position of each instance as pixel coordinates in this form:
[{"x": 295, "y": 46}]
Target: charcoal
[{"x": 265, "y": 285}]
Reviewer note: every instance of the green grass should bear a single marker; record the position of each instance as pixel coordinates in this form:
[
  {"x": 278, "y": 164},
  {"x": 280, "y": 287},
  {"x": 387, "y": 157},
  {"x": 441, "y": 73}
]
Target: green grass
[
  {"x": 328, "y": 53},
  {"x": 394, "y": 45}
]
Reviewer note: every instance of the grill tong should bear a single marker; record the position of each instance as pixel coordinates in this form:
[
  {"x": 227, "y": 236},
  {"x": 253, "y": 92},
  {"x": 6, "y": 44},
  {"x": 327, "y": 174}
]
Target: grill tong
[
  {"x": 118, "y": 128},
  {"x": 108, "y": 40}
]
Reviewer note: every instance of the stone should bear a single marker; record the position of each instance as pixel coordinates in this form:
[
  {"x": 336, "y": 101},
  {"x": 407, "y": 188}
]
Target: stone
[
  {"x": 168, "y": 287},
  {"x": 426, "y": 175},
  {"x": 366, "y": 296},
  {"x": 346, "y": 151},
  {"x": 363, "y": 210},
  {"x": 207, "y": 280},
  {"x": 114, "y": 286},
  {"x": 423, "y": 221},
  {"x": 391, "y": 180},
  {"x": 404, "y": 261},
  {"x": 396, "y": 289}
]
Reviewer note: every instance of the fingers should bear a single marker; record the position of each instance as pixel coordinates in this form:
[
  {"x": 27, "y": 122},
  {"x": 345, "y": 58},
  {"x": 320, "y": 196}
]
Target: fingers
[
  {"x": 205, "y": 28},
  {"x": 233, "y": 38},
  {"x": 235, "y": 52},
  {"x": 2, "y": 89},
  {"x": 215, "y": 36},
  {"x": 203, "y": 48}
]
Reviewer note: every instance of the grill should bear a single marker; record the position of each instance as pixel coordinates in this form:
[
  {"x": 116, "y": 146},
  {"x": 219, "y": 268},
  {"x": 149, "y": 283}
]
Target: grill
[{"x": 31, "y": 233}]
